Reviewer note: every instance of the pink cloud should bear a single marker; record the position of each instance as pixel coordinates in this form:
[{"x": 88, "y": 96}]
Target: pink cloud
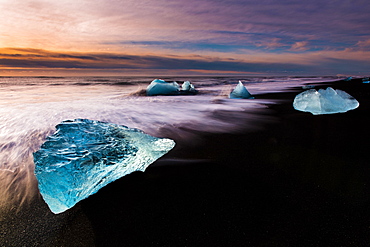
[
  {"x": 299, "y": 46},
  {"x": 273, "y": 43},
  {"x": 364, "y": 43}
]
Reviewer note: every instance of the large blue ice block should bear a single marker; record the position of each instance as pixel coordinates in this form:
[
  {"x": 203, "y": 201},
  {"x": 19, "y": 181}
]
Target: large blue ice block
[{"x": 85, "y": 155}]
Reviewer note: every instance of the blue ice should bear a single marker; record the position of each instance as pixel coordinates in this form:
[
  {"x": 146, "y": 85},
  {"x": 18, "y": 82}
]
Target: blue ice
[
  {"x": 327, "y": 101},
  {"x": 161, "y": 87},
  {"x": 240, "y": 92},
  {"x": 83, "y": 156}
]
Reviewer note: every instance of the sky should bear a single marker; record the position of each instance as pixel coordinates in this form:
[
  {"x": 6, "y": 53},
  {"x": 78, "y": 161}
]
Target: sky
[{"x": 177, "y": 37}]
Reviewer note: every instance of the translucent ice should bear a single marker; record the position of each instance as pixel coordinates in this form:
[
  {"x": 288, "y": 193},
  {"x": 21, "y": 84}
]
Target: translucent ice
[
  {"x": 161, "y": 87},
  {"x": 327, "y": 101},
  {"x": 240, "y": 92},
  {"x": 85, "y": 155},
  {"x": 187, "y": 86}
]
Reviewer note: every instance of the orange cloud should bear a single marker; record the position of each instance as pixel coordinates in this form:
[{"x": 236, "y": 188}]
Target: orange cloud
[{"x": 16, "y": 60}]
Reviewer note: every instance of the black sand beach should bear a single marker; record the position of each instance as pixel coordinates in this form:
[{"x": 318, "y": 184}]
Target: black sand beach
[{"x": 300, "y": 180}]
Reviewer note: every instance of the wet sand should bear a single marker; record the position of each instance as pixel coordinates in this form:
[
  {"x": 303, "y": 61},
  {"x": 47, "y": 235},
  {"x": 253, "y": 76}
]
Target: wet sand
[{"x": 301, "y": 180}]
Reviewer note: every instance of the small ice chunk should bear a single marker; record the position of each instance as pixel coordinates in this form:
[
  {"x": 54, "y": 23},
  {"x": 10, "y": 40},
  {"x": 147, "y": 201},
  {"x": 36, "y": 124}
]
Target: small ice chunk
[
  {"x": 348, "y": 79},
  {"x": 240, "y": 92},
  {"x": 83, "y": 156},
  {"x": 187, "y": 86},
  {"x": 161, "y": 87},
  {"x": 366, "y": 80},
  {"x": 327, "y": 101}
]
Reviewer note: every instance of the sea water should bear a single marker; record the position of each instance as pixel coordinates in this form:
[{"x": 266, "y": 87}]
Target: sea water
[{"x": 31, "y": 107}]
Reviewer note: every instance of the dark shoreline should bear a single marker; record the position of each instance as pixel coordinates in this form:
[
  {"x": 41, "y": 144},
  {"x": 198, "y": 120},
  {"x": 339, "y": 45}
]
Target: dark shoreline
[{"x": 301, "y": 180}]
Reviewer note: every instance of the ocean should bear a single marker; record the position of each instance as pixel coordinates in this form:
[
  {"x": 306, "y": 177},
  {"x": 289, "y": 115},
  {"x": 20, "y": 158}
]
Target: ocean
[{"x": 31, "y": 107}]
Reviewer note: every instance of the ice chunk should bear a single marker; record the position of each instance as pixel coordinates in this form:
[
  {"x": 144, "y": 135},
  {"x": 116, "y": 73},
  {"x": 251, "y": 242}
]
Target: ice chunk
[
  {"x": 366, "y": 80},
  {"x": 188, "y": 88},
  {"x": 240, "y": 92},
  {"x": 161, "y": 87},
  {"x": 85, "y": 155},
  {"x": 327, "y": 101},
  {"x": 348, "y": 79}
]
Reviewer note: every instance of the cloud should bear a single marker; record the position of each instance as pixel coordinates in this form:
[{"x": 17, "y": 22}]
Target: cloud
[
  {"x": 271, "y": 44},
  {"x": 32, "y": 58},
  {"x": 299, "y": 46},
  {"x": 312, "y": 63},
  {"x": 364, "y": 43},
  {"x": 101, "y": 25},
  {"x": 227, "y": 35}
]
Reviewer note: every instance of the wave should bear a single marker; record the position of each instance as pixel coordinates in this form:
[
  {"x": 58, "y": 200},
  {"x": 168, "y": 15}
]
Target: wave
[{"x": 30, "y": 110}]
